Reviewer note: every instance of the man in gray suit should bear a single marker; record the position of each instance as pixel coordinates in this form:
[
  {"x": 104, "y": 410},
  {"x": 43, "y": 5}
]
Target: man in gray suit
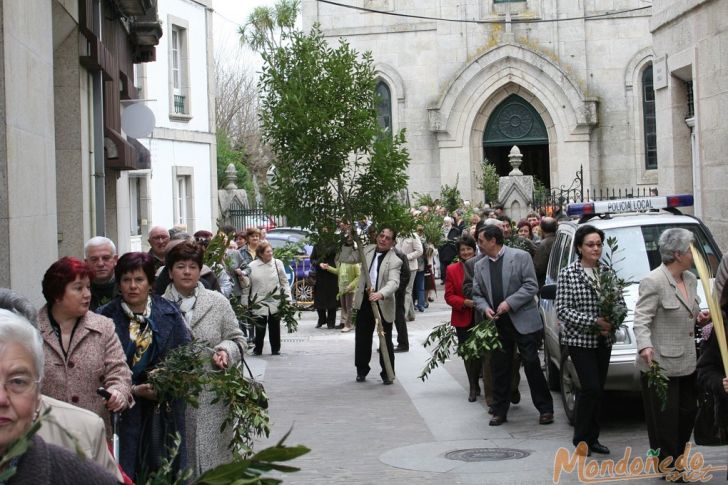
[
  {"x": 504, "y": 287},
  {"x": 383, "y": 266}
]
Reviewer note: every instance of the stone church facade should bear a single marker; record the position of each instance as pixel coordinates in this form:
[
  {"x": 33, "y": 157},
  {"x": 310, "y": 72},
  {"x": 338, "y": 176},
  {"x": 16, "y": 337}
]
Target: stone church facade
[{"x": 569, "y": 82}]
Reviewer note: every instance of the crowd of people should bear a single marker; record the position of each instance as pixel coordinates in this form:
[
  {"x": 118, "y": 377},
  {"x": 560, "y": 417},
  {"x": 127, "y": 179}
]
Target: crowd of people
[{"x": 109, "y": 320}]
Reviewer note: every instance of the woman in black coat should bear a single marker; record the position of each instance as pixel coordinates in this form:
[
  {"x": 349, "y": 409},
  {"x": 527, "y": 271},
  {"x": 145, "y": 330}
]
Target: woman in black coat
[
  {"x": 148, "y": 327},
  {"x": 326, "y": 288}
]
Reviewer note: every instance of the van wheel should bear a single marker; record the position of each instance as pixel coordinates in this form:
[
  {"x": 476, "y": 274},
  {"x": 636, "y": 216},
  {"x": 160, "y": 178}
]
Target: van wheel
[
  {"x": 551, "y": 372},
  {"x": 569, "y": 388}
]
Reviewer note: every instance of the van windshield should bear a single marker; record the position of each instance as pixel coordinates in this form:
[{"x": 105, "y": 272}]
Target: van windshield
[{"x": 638, "y": 252}]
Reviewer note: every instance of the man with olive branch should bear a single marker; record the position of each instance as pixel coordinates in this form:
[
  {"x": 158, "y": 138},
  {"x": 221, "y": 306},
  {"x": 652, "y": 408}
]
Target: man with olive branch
[
  {"x": 504, "y": 289},
  {"x": 383, "y": 266}
]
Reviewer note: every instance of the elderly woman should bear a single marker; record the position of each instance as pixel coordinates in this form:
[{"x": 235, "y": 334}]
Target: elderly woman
[
  {"x": 82, "y": 352},
  {"x": 462, "y": 309},
  {"x": 148, "y": 327},
  {"x": 588, "y": 336},
  {"x": 21, "y": 373},
  {"x": 664, "y": 325},
  {"x": 211, "y": 319},
  {"x": 447, "y": 250},
  {"x": 266, "y": 276}
]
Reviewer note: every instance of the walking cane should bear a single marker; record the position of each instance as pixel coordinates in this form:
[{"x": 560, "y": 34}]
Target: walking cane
[{"x": 114, "y": 423}]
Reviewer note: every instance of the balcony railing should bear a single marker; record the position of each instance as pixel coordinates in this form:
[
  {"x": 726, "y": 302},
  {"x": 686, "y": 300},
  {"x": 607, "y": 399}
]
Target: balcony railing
[{"x": 179, "y": 104}]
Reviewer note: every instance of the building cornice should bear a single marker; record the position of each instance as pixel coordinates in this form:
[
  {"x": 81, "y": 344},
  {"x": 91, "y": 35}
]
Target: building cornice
[{"x": 673, "y": 11}]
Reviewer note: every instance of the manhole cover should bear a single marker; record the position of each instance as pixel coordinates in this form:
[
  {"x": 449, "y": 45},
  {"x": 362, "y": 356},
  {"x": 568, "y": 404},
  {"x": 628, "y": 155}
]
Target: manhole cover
[{"x": 486, "y": 454}]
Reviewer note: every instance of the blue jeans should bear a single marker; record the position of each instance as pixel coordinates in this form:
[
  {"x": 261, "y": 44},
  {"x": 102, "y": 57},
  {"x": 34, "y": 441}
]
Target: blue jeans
[{"x": 418, "y": 290}]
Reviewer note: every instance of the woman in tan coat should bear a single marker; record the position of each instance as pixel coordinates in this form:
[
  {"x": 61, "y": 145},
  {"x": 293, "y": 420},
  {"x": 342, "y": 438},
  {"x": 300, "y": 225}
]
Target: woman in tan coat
[
  {"x": 82, "y": 351},
  {"x": 664, "y": 325}
]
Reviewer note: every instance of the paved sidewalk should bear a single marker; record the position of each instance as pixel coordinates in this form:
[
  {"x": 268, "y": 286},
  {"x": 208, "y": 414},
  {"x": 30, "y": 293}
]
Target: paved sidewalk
[{"x": 369, "y": 433}]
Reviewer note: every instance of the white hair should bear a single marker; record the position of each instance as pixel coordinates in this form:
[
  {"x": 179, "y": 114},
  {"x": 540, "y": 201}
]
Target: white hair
[
  {"x": 674, "y": 240},
  {"x": 448, "y": 220},
  {"x": 17, "y": 329},
  {"x": 97, "y": 241}
]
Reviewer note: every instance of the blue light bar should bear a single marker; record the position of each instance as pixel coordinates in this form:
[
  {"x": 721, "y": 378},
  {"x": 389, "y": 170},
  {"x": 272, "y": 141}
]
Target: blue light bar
[{"x": 636, "y": 204}]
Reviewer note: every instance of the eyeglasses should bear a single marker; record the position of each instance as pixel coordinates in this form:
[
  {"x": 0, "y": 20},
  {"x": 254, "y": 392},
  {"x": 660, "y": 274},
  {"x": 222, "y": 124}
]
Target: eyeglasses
[{"x": 19, "y": 385}]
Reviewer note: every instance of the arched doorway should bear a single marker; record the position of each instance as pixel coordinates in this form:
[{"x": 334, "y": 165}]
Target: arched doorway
[{"x": 515, "y": 122}]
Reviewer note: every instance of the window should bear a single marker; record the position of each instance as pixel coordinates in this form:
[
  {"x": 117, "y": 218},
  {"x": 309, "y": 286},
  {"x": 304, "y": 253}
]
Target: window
[
  {"x": 690, "y": 98},
  {"x": 384, "y": 106},
  {"x": 179, "y": 84},
  {"x": 183, "y": 197},
  {"x": 135, "y": 205},
  {"x": 648, "y": 118}
]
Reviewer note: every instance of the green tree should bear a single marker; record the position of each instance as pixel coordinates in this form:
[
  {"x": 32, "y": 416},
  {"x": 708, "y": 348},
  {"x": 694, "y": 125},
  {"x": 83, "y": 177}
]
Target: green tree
[
  {"x": 226, "y": 154},
  {"x": 333, "y": 161},
  {"x": 268, "y": 27},
  {"x": 450, "y": 196},
  {"x": 488, "y": 181}
]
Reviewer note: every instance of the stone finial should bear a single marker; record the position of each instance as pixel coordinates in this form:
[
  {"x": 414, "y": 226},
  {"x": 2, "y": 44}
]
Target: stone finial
[
  {"x": 231, "y": 175},
  {"x": 514, "y": 158}
]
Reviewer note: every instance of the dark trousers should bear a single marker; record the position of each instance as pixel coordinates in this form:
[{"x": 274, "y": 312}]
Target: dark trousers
[
  {"x": 273, "y": 322},
  {"x": 501, "y": 362},
  {"x": 326, "y": 316},
  {"x": 363, "y": 332},
  {"x": 400, "y": 321},
  {"x": 670, "y": 430},
  {"x": 591, "y": 367}
]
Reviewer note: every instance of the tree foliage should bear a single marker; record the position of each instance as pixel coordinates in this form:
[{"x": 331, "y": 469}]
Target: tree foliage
[
  {"x": 450, "y": 196},
  {"x": 488, "y": 181},
  {"x": 268, "y": 27},
  {"x": 332, "y": 159},
  {"x": 226, "y": 155}
]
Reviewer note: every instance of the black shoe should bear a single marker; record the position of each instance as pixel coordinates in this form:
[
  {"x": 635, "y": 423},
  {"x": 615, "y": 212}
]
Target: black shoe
[
  {"x": 497, "y": 421},
  {"x": 547, "y": 418},
  {"x": 472, "y": 396},
  {"x": 515, "y": 397},
  {"x": 257, "y": 352},
  {"x": 319, "y": 325},
  {"x": 401, "y": 349},
  {"x": 276, "y": 353},
  {"x": 597, "y": 447},
  {"x": 387, "y": 382},
  {"x": 360, "y": 378}
]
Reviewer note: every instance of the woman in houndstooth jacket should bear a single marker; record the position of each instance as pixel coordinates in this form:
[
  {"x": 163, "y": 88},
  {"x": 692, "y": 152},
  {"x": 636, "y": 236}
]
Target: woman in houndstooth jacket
[{"x": 588, "y": 336}]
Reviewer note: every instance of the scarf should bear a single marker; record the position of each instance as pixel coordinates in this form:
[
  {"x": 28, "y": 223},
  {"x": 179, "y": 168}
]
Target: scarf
[
  {"x": 186, "y": 304},
  {"x": 141, "y": 349}
]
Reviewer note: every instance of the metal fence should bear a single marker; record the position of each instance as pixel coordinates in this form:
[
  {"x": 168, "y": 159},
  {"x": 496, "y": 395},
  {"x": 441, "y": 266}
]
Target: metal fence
[
  {"x": 242, "y": 217},
  {"x": 547, "y": 201}
]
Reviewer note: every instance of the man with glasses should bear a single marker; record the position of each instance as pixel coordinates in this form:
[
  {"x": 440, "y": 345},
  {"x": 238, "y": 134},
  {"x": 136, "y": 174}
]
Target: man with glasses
[
  {"x": 100, "y": 254},
  {"x": 158, "y": 239}
]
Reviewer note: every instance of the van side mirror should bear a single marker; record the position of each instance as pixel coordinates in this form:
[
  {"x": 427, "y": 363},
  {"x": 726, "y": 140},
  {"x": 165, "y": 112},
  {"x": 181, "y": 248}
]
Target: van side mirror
[{"x": 548, "y": 292}]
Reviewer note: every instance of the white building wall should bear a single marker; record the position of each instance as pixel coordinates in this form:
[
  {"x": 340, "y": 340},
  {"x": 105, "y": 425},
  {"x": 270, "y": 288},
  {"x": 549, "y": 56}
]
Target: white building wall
[{"x": 184, "y": 144}]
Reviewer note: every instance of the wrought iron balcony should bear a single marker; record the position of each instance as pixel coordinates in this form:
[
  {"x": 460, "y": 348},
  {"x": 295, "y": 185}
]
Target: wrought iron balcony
[{"x": 179, "y": 104}]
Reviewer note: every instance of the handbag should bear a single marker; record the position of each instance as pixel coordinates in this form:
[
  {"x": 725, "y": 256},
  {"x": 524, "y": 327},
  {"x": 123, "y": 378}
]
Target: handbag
[
  {"x": 259, "y": 396},
  {"x": 709, "y": 431},
  {"x": 156, "y": 437}
]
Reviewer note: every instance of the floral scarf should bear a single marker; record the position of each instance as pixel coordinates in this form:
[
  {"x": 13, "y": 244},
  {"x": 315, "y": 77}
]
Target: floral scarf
[
  {"x": 141, "y": 350},
  {"x": 186, "y": 304}
]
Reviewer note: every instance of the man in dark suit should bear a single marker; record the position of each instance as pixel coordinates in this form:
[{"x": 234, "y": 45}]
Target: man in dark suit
[
  {"x": 383, "y": 267},
  {"x": 504, "y": 287}
]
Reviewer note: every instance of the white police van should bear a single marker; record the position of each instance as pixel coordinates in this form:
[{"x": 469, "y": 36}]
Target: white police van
[{"x": 637, "y": 225}]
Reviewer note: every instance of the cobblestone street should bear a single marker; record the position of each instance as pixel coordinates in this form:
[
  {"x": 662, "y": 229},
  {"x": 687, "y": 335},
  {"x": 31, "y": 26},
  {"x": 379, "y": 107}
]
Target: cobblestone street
[{"x": 367, "y": 433}]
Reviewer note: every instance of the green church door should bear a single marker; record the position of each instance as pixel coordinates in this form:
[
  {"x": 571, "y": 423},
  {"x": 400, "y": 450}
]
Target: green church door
[{"x": 516, "y": 122}]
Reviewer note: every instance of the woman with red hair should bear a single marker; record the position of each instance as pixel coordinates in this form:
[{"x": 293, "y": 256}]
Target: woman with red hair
[{"x": 82, "y": 351}]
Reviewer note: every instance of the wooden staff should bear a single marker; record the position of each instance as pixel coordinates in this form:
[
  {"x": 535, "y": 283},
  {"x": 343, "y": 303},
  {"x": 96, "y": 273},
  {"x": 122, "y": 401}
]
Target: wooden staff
[{"x": 715, "y": 312}]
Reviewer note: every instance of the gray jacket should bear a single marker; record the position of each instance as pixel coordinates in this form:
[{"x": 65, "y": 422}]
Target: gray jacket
[{"x": 519, "y": 289}]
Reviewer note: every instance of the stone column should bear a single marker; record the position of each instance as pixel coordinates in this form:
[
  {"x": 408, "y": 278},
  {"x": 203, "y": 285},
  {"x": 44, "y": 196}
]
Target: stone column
[{"x": 515, "y": 192}]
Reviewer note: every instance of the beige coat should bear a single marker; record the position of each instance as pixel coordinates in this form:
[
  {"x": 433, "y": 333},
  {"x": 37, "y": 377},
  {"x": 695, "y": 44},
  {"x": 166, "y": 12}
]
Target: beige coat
[
  {"x": 95, "y": 359},
  {"x": 412, "y": 248},
  {"x": 213, "y": 321},
  {"x": 264, "y": 278},
  {"x": 86, "y": 427},
  {"x": 665, "y": 321},
  {"x": 386, "y": 284}
]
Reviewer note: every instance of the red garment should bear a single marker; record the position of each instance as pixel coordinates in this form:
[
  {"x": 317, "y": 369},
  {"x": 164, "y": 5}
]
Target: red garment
[{"x": 462, "y": 316}]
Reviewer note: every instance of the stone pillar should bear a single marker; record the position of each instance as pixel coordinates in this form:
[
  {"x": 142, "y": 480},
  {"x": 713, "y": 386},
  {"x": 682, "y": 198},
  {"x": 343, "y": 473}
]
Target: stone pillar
[{"x": 515, "y": 192}]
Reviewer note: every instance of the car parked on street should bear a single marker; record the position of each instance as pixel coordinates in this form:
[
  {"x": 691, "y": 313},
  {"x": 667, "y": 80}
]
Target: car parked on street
[
  {"x": 637, "y": 225},
  {"x": 299, "y": 269}
]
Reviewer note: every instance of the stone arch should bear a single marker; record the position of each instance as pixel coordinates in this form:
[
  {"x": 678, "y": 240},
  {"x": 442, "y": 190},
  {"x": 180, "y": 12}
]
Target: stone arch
[
  {"x": 633, "y": 96},
  {"x": 460, "y": 115},
  {"x": 394, "y": 81}
]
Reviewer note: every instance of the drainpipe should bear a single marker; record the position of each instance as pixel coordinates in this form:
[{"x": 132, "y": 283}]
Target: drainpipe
[{"x": 98, "y": 130}]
